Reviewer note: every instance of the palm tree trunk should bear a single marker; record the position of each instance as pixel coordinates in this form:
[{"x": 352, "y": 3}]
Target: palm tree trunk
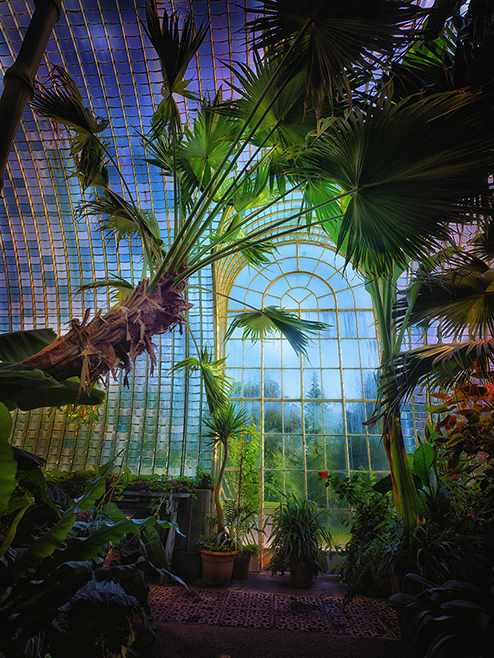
[
  {"x": 220, "y": 515},
  {"x": 91, "y": 349},
  {"x": 404, "y": 490}
]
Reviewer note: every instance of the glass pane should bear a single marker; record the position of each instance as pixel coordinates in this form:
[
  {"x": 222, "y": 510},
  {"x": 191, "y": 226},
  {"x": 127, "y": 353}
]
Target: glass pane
[
  {"x": 379, "y": 461},
  {"x": 312, "y": 384},
  {"x": 370, "y": 384},
  {"x": 272, "y": 353},
  {"x": 291, "y": 384},
  {"x": 253, "y": 409},
  {"x": 352, "y": 384},
  {"x": 294, "y": 483},
  {"x": 375, "y": 428},
  {"x": 236, "y": 375},
  {"x": 370, "y": 354},
  {"x": 366, "y": 324},
  {"x": 316, "y": 488},
  {"x": 294, "y": 456},
  {"x": 329, "y": 317},
  {"x": 357, "y": 453},
  {"x": 314, "y": 452},
  {"x": 252, "y": 383},
  {"x": 290, "y": 358},
  {"x": 350, "y": 357},
  {"x": 272, "y": 383},
  {"x": 313, "y": 417},
  {"x": 235, "y": 350},
  {"x": 335, "y": 453},
  {"x": 330, "y": 354},
  {"x": 333, "y": 418},
  {"x": 339, "y": 527},
  {"x": 292, "y": 415},
  {"x": 273, "y": 451},
  {"x": 272, "y": 417},
  {"x": 252, "y": 354},
  {"x": 313, "y": 358},
  {"x": 335, "y": 502},
  {"x": 273, "y": 488},
  {"x": 348, "y": 324},
  {"x": 331, "y": 384},
  {"x": 345, "y": 299},
  {"x": 355, "y": 416}
]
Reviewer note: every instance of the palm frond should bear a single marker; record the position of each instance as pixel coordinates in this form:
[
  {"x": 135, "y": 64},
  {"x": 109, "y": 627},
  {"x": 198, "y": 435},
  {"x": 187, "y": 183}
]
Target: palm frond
[
  {"x": 123, "y": 219},
  {"x": 225, "y": 423},
  {"x": 438, "y": 366},
  {"x": 409, "y": 165},
  {"x": 118, "y": 285},
  {"x": 217, "y": 385},
  {"x": 260, "y": 324},
  {"x": 461, "y": 298},
  {"x": 175, "y": 47},
  {"x": 282, "y": 119},
  {"x": 329, "y": 37},
  {"x": 63, "y": 103}
]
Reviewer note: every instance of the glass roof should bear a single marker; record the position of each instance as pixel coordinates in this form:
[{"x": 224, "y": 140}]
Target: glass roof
[{"x": 47, "y": 250}]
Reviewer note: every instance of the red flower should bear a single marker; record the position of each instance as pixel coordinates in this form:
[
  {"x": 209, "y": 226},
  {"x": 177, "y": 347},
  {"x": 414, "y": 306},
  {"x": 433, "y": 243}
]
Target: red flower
[{"x": 323, "y": 474}]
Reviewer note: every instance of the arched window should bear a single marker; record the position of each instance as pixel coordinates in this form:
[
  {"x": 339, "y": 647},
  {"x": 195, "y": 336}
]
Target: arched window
[{"x": 310, "y": 411}]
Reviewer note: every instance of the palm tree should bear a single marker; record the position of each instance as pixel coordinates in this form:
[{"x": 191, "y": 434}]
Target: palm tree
[{"x": 385, "y": 179}]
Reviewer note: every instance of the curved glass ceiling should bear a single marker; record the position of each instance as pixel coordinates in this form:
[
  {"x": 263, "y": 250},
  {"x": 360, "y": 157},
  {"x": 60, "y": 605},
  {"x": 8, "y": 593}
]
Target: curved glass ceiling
[{"x": 47, "y": 250}]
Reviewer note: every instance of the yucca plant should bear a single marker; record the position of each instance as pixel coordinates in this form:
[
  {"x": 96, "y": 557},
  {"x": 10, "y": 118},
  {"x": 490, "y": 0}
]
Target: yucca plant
[{"x": 299, "y": 533}]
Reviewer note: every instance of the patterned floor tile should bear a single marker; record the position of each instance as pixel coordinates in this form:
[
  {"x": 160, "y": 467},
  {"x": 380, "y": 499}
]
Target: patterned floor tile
[
  {"x": 300, "y": 613},
  {"x": 249, "y": 609},
  {"x": 198, "y": 607},
  {"x": 161, "y": 599}
]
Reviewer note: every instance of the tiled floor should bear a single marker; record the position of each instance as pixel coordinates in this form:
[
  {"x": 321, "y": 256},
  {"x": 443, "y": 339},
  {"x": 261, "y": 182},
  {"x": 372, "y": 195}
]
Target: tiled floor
[{"x": 263, "y": 601}]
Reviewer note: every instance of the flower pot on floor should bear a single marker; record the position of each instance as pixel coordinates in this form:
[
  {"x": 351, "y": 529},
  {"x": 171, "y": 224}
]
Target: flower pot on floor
[
  {"x": 217, "y": 567},
  {"x": 301, "y": 574},
  {"x": 241, "y": 566}
]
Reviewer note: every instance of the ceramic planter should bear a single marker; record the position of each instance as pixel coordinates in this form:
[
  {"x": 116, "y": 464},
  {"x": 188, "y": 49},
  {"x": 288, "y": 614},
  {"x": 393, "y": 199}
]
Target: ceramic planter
[
  {"x": 241, "y": 566},
  {"x": 301, "y": 575},
  {"x": 217, "y": 567}
]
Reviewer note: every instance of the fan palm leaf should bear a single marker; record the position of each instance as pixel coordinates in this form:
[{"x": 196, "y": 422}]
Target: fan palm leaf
[
  {"x": 63, "y": 103},
  {"x": 461, "y": 298},
  {"x": 175, "y": 47},
  {"x": 412, "y": 165},
  {"x": 329, "y": 37},
  {"x": 259, "y": 324},
  {"x": 438, "y": 366},
  {"x": 217, "y": 385}
]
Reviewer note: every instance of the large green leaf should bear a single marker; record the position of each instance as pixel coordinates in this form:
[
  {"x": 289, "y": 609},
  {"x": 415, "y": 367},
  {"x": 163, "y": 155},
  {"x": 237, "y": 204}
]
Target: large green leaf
[
  {"x": 260, "y": 324},
  {"x": 423, "y": 459},
  {"x": 410, "y": 165},
  {"x": 8, "y": 465},
  {"x": 329, "y": 37},
  {"x": 30, "y": 389},
  {"x": 87, "y": 548},
  {"x": 20, "y": 345}
]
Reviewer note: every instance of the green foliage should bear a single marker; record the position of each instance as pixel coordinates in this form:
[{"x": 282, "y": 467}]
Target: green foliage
[
  {"x": 53, "y": 558},
  {"x": 299, "y": 533},
  {"x": 371, "y": 519},
  {"x": 454, "y": 618},
  {"x": 260, "y": 324}
]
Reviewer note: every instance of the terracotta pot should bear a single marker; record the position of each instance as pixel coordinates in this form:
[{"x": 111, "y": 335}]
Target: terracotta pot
[
  {"x": 301, "y": 575},
  {"x": 241, "y": 566},
  {"x": 217, "y": 568}
]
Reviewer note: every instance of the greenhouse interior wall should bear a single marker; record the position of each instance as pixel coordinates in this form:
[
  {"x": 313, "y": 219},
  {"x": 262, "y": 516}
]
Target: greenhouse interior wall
[{"x": 308, "y": 412}]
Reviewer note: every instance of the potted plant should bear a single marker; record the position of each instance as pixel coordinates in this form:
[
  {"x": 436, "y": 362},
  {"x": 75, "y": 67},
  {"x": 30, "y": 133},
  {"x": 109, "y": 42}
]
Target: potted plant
[
  {"x": 242, "y": 524},
  {"x": 218, "y": 549},
  {"x": 242, "y": 509},
  {"x": 299, "y": 534}
]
